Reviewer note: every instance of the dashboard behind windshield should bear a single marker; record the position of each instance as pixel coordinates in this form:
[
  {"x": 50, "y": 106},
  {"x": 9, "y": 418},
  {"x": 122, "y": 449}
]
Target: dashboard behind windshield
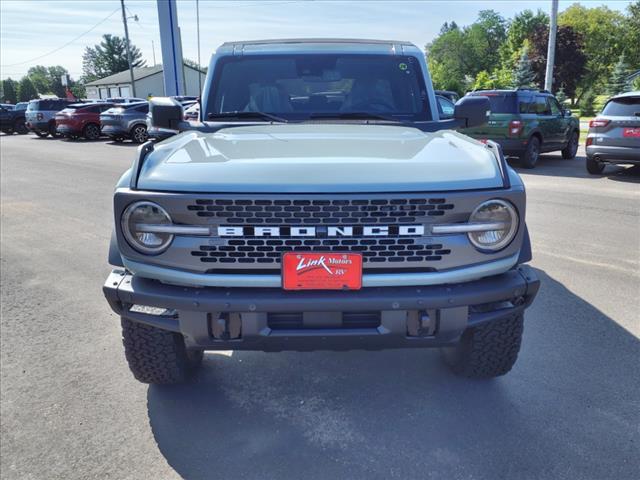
[{"x": 296, "y": 87}]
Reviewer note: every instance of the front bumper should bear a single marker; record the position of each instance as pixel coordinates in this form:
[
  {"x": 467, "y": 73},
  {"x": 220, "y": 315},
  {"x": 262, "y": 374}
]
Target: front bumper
[
  {"x": 273, "y": 319},
  {"x": 614, "y": 154}
]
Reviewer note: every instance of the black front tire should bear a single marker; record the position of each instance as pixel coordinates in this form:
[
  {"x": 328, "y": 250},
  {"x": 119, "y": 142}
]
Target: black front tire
[
  {"x": 594, "y": 166},
  {"x": 52, "y": 130},
  {"x": 571, "y": 149},
  {"x": 20, "y": 128},
  {"x": 158, "y": 356},
  {"x": 91, "y": 131},
  {"x": 488, "y": 350},
  {"x": 530, "y": 156}
]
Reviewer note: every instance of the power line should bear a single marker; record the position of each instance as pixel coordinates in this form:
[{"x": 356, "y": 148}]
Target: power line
[{"x": 66, "y": 44}]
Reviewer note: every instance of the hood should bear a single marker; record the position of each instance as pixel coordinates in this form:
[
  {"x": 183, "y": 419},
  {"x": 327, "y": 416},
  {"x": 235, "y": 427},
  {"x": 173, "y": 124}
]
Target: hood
[{"x": 319, "y": 158}]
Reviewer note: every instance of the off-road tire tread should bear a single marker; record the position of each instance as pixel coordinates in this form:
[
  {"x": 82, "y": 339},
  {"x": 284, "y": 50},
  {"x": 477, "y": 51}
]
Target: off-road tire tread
[
  {"x": 489, "y": 350},
  {"x": 157, "y": 356}
]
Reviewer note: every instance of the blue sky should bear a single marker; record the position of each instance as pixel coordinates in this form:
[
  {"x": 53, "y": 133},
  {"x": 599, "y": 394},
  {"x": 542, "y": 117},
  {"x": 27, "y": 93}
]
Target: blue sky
[{"x": 32, "y": 28}]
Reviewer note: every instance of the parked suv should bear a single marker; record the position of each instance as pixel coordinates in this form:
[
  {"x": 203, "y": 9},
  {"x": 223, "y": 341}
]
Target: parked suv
[
  {"x": 81, "y": 120},
  {"x": 126, "y": 121},
  {"x": 40, "y": 115},
  {"x": 528, "y": 122},
  {"x": 12, "y": 118},
  {"x": 321, "y": 204},
  {"x": 614, "y": 135}
]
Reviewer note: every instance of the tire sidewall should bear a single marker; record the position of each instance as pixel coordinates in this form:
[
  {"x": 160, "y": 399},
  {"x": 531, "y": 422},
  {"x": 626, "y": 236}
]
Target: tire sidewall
[
  {"x": 139, "y": 134},
  {"x": 531, "y": 155}
]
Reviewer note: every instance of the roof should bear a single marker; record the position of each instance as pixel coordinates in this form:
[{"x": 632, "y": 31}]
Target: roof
[
  {"x": 124, "y": 76},
  {"x": 317, "y": 40},
  {"x": 627, "y": 94}
]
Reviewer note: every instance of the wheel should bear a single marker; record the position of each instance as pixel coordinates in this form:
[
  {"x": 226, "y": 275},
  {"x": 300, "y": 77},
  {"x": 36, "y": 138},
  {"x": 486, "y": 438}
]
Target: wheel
[
  {"x": 41, "y": 134},
  {"x": 52, "y": 130},
  {"x": 530, "y": 157},
  {"x": 19, "y": 127},
  {"x": 139, "y": 134},
  {"x": 594, "y": 166},
  {"x": 8, "y": 131},
  {"x": 91, "y": 131},
  {"x": 158, "y": 356},
  {"x": 488, "y": 350},
  {"x": 571, "y": 149}
]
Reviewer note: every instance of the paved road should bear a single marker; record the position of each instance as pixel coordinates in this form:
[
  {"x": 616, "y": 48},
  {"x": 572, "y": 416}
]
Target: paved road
[{"x": 70, "y": 409}]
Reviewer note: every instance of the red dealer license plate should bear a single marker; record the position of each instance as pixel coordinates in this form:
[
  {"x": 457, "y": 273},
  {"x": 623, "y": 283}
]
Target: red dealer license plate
[
  {"x": 631, "y": 132},
  {"x": 321, "y": 271}
]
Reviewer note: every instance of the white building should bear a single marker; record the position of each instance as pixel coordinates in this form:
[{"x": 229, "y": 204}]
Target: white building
[{"x": 148, "y": 80}]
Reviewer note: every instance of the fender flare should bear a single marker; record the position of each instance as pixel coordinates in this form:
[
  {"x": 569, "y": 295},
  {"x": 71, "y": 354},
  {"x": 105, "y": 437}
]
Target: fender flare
[
  {"x": 115, "y": 258},
  {"x": 525, "y": 250}
]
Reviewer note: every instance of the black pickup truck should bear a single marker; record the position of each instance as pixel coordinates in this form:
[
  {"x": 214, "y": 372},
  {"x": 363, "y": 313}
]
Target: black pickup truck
[{"x": 12, "y": 118}]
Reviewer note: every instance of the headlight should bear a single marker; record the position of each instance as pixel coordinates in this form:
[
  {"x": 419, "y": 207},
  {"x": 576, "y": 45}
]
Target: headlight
[
  {"x": 138, "y": 222},
  {"x": 500, "y": 213}
]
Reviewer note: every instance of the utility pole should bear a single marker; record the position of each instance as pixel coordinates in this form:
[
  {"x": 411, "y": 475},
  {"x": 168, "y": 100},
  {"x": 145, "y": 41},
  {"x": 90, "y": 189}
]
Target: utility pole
[
  {"x": 126, "y": 35},
  {"x": 153, "y": 49},
  {"x": 551, "y": 47},
  {"x": 198, "y": 30}
]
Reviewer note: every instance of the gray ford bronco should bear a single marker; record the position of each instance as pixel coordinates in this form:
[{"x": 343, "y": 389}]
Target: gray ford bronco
[{"x": 319, "y": 204}]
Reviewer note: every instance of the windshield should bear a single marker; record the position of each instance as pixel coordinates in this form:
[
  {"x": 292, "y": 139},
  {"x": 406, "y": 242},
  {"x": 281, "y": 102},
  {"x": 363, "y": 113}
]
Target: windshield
[{"x": 297, "y": 87}]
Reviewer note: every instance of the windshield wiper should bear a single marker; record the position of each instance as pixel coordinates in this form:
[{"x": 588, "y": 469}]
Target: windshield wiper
[
  {"x": 247, "y": 115},
  {"x": 355, "y": 116}
]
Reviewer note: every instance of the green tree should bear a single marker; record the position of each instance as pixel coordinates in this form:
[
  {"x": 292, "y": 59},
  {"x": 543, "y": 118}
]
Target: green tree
[
  {"x": 570, "y": 60},
  {"x": 524, "y": 76},
  {"x": 26, "y": 90},
  {"x": 39, "y": 76},
  {"x": 47, "y": 80},
  {"x": 587, "y": 108},
  {"x": 521, "y": 29},
  {"x": 632, "y": 35},
  {"x": 10, "y": 91},
  {"x": 483, "y": 81},
  {"x": 458, "y": 53},
  {"x": 108, "y": 57},
  {"x": 561, "y": 96},
  {"x": 603, "y": 32},
  {"x": 618, "y": 83}
]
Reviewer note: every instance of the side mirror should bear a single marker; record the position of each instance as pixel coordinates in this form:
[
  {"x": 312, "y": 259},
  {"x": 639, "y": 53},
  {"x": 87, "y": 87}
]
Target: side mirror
[
  {"x": 472, "y": 111},
  {"x": 165, "y": 113},
  {"x": 567, "y": 113}
]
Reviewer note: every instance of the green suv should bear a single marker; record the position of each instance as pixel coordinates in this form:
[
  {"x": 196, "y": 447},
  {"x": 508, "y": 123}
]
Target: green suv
[{"x": 527, "y": 122}]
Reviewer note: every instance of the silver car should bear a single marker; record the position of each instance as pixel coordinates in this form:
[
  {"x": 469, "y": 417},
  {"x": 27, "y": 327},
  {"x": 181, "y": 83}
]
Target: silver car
[
  {"x": 126, "y": 121},
  {"x": 614, "y": 135}
]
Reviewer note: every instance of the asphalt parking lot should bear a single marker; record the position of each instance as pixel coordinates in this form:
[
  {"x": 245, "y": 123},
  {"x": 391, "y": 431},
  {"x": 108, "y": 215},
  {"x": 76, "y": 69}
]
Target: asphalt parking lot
[{"x": 70, "y": 408}]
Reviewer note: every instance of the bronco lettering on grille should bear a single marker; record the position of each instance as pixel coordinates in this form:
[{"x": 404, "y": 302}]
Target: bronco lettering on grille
[{"x": 323, "y": 232}]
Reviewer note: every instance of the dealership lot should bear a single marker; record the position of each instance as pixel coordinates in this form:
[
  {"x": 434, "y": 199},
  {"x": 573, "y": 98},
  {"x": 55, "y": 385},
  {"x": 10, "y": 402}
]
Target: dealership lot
[{"x": 71, "y": 409}]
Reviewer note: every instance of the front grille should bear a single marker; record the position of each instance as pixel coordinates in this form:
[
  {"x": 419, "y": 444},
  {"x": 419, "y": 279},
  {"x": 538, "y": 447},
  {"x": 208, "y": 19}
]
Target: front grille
[
  {"x": 317, "y": 212},
  {"x": 258, "y": 252},
  {"x": 374, "y": 250}
]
